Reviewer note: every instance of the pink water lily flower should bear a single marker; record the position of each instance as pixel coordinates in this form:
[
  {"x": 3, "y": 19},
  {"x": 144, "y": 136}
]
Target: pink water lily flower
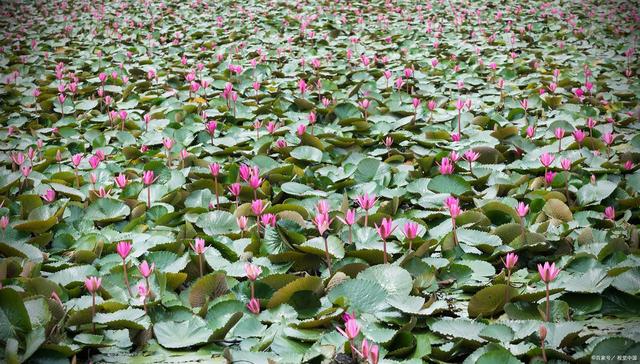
[
  {"x": 146, "y": 269},
  {"x": 610, "y": 213},
  {"x": 351, "y": 329},
  {"x": 510, "y": 260},
  {"x": 123, "y": 249},
  {"x": 349, "y": 217},
  {"x": 92, "y": 284},
  {"x": 148, "y": 177},
  {"x": 198, "y": 246},
  {"x": 268, "y": 220},
  {"x": 242, "y": 222},
  {"x": 579, "y": 136},
  {"x": 254, "y": 306},
  {"x": 49, "y": 195},
  {"x": 410, "y": 230},
  {"x": 522, "y": 209},
  {"x": 445, "y": 166},
  {"x": 257, "y": 207},
  {"x": 546, "y": 159},
  {"x": 121, "y": 180},
  {"x": 252, "y": 271},
  {"x": 548, "y": 272},
  {"x": 322, "y": 222},
  {"x": 385, "y": 230}
]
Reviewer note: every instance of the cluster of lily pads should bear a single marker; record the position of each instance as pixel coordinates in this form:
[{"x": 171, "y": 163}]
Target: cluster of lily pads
[{"x": 300, "y": 181}]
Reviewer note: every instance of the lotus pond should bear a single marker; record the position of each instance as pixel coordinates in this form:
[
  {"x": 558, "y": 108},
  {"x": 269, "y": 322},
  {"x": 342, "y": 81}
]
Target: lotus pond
[{"x": 319, "y": 181}]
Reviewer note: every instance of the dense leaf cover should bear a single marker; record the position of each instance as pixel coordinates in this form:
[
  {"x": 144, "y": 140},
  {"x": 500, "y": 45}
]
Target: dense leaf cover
[{"x": 319, "y": 181}]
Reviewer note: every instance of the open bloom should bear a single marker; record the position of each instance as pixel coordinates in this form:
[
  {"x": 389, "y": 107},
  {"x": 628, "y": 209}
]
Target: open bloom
[
  {"x": 92, "y": 284},
  {"x": 410, "y": 230},
  {"x": 257, "y": 207},
  {"x": 255, "y": 182},
  {"x": 245, "y": 172},
  {"x": 548, "y": 272},
  {"x": 123, "y": 248},
  {"x": 546, "y": 159},
  {"x": 322, "y": 222},
  {"x": 268, "y": 219},
  {"x": 386, "y": 228},
  {"x": 579, "y": 136},
  {"x": 235, "y": 189},
  {"x": 471, "y": 156},
  {"x": 252, "y": 271},
  {"x": 454, "y": 156},
  {"x": 198, "y": 246},
  {"x": 445, "y": 166},
  {"x": 365, "y": 201}
]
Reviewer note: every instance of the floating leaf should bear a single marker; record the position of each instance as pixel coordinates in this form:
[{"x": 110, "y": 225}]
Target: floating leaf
[{"x": 178, "y": 335}]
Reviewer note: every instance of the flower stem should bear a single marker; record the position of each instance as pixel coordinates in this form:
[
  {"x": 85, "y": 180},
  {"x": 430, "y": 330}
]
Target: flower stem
[
  {"x": 215, "y": 180},
  {"x": 200, "y": 263},
  {"x": 548, "y": 305},
  {"x": 126, "y": 279},
  {"x": 506, "y": 295},
  {"x": 455, "y": 235},
  {"x": 328, "y": 257},
  {"x": 93, "y": 311},
  {"x": 384, "y": 249}
]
